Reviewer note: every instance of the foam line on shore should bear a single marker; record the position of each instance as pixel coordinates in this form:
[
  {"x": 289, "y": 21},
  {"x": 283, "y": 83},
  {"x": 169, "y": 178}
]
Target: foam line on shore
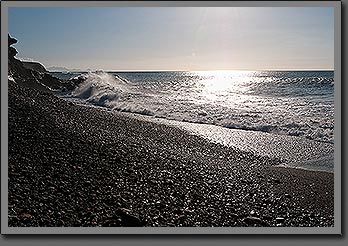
[{"x": 294, "y": 152}]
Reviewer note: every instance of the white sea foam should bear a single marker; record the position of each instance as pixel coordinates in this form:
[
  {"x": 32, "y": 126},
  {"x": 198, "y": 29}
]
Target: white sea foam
[{"x": 100, "y": 89}]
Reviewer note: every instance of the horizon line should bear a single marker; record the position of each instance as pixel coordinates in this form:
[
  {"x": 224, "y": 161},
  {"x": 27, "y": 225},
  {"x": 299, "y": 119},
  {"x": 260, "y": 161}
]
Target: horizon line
[{"x": 202, "y": 70}]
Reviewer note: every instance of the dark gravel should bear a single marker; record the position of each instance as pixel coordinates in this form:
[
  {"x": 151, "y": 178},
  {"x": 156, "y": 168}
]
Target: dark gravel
[{"x": 72, "y": 165}]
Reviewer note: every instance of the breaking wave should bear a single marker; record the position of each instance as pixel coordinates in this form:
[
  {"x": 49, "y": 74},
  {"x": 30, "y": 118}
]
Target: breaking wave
[{"x": 101, "y": 89}]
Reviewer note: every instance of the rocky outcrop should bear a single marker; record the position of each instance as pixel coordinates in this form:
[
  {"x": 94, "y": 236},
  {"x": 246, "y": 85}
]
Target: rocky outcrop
[
  {"x": 11, "y": 51},
  {"x": 32, "y": 75},
  {"x": 35, "y": 66}
]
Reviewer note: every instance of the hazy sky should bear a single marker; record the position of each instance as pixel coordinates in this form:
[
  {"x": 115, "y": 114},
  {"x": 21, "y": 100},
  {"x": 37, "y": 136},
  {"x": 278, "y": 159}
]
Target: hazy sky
[{"x": 199, "y": 38}]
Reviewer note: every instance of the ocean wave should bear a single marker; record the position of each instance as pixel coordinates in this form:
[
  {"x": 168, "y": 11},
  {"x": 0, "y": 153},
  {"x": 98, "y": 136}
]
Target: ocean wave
[
  {"x": 291, "y": 116},
  {"x": 101, "y": 89}
]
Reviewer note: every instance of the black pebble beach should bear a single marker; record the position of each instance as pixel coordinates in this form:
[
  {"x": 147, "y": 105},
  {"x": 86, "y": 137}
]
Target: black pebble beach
[{"x": 76, "y": 166}]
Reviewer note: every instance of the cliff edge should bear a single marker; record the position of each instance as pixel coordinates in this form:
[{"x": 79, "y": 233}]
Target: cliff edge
[{"x": 32, "y": 74}]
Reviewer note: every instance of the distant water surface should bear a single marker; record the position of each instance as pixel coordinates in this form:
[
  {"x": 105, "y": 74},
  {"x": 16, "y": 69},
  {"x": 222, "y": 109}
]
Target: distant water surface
[{"x": 293, "y": 103}]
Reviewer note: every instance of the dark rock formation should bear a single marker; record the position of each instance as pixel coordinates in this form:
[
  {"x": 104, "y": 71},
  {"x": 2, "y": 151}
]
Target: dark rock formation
[
  {"x": 32, "y": 75},
  {"x": 78, "y": 79},
  {"x": 35, "y": 66},
  {"x": 11, "y": 51},
  {"x": 11, "y": 40}
]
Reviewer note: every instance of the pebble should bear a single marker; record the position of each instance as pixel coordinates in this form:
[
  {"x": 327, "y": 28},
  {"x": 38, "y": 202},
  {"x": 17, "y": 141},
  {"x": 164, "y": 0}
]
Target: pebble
[
  {"x": 252, "y": 220},
  {"x": 287, "y": 196},
  {"x": 280, "y": 220}
]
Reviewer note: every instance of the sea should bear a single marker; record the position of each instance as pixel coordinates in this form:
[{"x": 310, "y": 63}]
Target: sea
[{"x": 287, "y": 115}]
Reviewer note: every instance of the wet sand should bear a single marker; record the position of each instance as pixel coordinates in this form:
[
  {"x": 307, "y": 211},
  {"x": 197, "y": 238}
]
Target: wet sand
[{"x": 71, "y": 165}]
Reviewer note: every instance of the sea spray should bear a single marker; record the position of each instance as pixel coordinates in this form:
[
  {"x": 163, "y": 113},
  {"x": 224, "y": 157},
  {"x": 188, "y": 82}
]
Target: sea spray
[
  {"x": 100, "y": 89},
  {"x": 107, "y": 90}
]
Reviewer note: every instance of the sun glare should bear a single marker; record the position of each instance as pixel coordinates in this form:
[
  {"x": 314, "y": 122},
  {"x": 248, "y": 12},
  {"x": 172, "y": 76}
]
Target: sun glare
[{"x": 215, "y": 84}]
